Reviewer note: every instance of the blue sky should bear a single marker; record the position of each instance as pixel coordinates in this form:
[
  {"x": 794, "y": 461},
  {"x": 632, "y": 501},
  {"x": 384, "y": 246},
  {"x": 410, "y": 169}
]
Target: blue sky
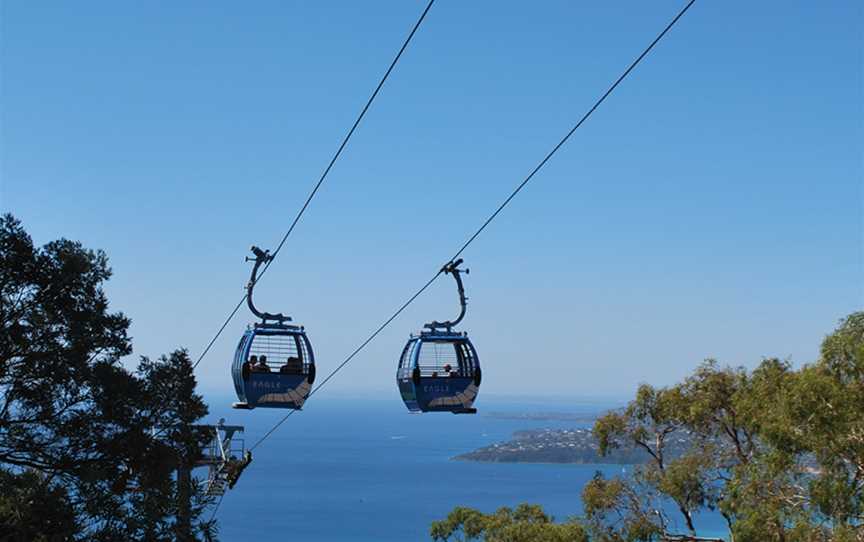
[{"x": 711, "y": 208}]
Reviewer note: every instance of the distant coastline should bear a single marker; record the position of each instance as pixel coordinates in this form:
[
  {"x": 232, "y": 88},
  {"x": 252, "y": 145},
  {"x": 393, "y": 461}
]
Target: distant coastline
[
  {"x": 544, "y": 416},
  {"x": 576, "y": 446}
]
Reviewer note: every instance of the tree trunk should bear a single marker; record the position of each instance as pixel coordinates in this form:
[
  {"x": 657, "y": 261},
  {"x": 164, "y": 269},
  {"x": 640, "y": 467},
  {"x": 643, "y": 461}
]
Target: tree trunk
[
  {"x": 184, "y": 504},
  {"x": 689, "y": 518},
  {"x": 728, "y": 519}
]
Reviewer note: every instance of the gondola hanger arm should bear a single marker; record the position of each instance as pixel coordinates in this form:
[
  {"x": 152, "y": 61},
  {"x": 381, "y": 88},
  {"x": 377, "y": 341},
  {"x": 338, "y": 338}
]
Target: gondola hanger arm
[
  {"x": 452, "y": 268},
  {"x": 261, "y": 257}
]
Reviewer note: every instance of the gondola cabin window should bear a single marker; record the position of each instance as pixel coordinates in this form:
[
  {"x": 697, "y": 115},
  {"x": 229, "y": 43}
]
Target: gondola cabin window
[{"x": 285, "y": 354}]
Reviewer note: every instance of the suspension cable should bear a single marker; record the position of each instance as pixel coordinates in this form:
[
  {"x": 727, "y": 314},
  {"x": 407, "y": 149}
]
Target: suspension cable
[
  {"x": 491, "y": 217},
  {"x": 323, "y": 175},
  {"x": 216, "y": 507}
]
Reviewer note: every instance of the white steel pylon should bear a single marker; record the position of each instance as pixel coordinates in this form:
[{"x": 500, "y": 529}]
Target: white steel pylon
[{"x": 224, "y": 457}]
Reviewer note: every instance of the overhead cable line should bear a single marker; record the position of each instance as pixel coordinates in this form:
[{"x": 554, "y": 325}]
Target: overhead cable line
[
  {"x": 323, "y": 175},
  {"x": 216, "y": 508},
  {"x": 491, "y": 217}
]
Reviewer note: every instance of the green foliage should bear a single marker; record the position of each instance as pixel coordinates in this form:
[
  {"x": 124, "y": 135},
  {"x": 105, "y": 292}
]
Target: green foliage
[
  {"x": 88, "y": 448},
  {"x": 35, "y": 509},
  {"x": 527, "y": 523},
  {"x": 616, "y": 512},
  {"x": 843, "y": 351},
  {"x": 609, "y": 430}
]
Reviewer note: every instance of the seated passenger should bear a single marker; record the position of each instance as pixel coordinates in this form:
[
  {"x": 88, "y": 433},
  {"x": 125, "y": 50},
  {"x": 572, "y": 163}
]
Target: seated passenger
[
  {"x": 434, "y": 374},
  {"x": 262, "y": 366},
  {"x": 293, "y": 366},
  {"x": 248, "y": 365}
]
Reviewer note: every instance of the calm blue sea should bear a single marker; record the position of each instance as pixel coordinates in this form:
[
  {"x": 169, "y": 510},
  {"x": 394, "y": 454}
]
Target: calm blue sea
[{"x": 367, "y": 470}]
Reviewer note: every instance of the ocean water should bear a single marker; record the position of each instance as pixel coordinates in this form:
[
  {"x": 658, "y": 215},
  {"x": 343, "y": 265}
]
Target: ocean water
[{"x": 367, "y": 470}]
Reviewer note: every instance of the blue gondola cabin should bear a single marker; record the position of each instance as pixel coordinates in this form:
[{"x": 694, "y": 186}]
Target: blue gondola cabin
[
  {"x": 439, "y": 371},
  {"x": 273, "y": 367}
]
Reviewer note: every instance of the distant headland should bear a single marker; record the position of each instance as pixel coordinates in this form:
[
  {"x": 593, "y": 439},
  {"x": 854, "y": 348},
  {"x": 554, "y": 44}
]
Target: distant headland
[{"x": 561, "y": 446}]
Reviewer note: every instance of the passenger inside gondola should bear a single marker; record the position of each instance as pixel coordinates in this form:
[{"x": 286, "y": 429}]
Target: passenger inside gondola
[
  {"x": 262, "y": 366},
  {"x": 249, "y": 366},
  {"x": 293, "y": 366}
]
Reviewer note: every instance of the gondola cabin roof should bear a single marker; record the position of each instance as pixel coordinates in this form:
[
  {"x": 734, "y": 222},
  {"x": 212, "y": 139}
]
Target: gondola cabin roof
[
  {"x": 265, "y": 327},
  {"x": 440, "y": 335}
]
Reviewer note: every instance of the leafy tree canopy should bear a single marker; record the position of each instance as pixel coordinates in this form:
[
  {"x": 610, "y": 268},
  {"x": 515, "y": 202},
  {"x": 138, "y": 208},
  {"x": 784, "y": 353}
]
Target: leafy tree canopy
[
  {"x": 88, "y": 449},
  {"x": 525, "y": 523}
]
